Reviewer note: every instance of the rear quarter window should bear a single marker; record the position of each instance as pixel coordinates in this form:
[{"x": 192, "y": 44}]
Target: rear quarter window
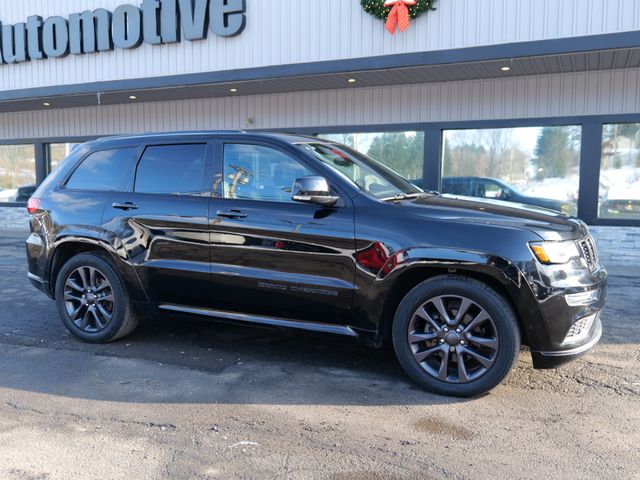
[{"x": 105, "y": 170}]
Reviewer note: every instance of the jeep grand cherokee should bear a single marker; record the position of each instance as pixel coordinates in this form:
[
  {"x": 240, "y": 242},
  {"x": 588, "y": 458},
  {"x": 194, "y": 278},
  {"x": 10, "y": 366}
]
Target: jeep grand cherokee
[{"x": 300, "y": 232}]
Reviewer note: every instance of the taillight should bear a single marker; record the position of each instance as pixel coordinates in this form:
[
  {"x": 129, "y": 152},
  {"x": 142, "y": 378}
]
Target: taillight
[{"x": 33, "y": 204}]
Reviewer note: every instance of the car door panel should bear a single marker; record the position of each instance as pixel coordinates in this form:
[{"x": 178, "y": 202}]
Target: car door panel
[
  {"x": 168, "y": 250},
  {"x": 281, "y": 258},
  {"x": 287, "y": 260},
  {"x": 166, "y": 238}
]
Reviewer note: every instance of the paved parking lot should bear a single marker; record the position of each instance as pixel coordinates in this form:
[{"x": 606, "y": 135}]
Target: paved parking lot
[{"x": 196, "y": 399}]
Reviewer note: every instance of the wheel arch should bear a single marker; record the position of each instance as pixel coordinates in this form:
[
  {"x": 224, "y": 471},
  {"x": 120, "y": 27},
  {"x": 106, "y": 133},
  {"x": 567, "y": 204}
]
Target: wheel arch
[
  {"x": 69, "y": 247},
  {"x": 498, "y": 273}
]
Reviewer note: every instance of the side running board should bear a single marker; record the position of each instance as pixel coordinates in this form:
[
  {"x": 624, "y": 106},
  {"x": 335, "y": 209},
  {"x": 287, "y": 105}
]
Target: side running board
[{"x": 263, "y": 320}]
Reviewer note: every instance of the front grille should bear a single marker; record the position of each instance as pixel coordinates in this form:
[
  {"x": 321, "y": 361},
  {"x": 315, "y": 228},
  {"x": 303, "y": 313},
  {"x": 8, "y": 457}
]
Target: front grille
[{"x": 589, "y": 251}]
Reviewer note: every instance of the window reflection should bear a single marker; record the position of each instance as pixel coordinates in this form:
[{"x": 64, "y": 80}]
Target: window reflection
[
  {"x": 537, "y": 166},
  {"x": 619, "y": 196},
  {"x": 256, "y": 172},
  {"x": 17, "y": 172},
  {"x": 58, "y": 152},
  {"x": 402, "y": 152}
]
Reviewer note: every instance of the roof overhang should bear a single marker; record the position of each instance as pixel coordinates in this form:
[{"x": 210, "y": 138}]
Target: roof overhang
[{"x": 558, "y": 56}]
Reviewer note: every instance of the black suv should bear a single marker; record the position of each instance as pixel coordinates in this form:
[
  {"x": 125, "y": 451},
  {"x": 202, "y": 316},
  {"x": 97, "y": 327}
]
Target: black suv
[{"x": 300, "y": 232}]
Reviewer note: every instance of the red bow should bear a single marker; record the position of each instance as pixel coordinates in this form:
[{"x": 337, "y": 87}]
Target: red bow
[{"x": 399, "y": 15}]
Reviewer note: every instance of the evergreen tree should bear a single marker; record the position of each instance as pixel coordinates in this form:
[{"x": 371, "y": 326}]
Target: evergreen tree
[
  {"x": 400, "y": 152},
  {"x": 554, "y": 153}
]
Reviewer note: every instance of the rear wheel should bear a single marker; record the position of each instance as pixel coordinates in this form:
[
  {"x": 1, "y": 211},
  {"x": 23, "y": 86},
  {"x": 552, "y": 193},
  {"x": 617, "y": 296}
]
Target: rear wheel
[
  {"x": 456, "y": 336},
  {"x": 92, "y": 300}
]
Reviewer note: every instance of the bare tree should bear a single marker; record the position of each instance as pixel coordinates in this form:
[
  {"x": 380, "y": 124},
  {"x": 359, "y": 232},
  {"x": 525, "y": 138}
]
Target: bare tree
[{"x": 15, "y": 162}]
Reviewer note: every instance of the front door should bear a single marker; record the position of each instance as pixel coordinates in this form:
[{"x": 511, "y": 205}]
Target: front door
[{"x": 272, "y": 256}]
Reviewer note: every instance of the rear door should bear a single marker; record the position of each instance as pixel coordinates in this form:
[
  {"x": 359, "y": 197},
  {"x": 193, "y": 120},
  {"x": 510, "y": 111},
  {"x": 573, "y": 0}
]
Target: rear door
[
  {"x": 162, "y": 224},
  {"x": 273, "y": 256}
]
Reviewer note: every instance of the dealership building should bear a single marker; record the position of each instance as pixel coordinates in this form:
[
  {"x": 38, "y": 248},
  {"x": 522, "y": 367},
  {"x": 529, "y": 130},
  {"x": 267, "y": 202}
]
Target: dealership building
[{"x": 518, "y": 100}]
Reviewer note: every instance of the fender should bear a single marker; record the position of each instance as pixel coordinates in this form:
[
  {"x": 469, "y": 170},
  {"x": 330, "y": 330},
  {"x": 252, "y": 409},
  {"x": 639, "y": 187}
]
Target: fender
[
  {"x": 96, "y": 237},
  {"x": 373, "y": 303}
]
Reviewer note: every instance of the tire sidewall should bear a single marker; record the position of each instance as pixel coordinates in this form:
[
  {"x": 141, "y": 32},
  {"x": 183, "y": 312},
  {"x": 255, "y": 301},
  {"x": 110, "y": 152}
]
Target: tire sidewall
[
  {"x": 119, "y": 297},
  {"x": 501, "y": 313}
]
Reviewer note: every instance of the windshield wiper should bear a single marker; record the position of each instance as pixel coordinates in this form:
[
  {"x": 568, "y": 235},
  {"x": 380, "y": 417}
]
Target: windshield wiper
[{"x": 408, "y": 196}]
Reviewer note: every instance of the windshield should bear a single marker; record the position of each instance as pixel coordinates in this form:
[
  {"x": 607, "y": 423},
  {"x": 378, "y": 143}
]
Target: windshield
[{"x": 367, "y": 174}]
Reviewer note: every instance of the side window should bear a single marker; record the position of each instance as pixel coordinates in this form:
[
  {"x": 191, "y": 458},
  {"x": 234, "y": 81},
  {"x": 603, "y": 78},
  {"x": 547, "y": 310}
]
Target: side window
[
  {"x": 172, "y": 169},
  {"x": 256, "y": 172},
  {"x": 492, "y": 190},
  {"x": 105, "y": 170},
  {"x": 453, "y": 187}
]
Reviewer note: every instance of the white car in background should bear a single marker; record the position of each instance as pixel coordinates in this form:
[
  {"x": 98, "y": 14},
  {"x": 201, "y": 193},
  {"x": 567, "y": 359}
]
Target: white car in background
[{"x": 622, "y": 202}]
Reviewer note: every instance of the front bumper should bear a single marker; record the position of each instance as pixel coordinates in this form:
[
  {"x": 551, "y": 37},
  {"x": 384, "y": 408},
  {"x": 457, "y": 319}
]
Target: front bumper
[
  {"x": 570, "y": 301},
  {"x": 554, "y": 358}
]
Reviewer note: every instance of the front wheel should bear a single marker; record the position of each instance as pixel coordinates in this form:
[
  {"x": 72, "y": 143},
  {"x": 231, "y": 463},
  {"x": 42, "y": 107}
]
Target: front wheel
[
  {"x": 456, "y": 336},
  {"x": 92, "y": 299}
]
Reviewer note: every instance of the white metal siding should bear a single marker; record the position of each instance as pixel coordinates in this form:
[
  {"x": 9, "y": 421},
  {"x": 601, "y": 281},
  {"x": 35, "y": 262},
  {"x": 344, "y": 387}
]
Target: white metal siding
[
  {"x": 609, "y": 92},
  {"x": 294, "y": 31}
]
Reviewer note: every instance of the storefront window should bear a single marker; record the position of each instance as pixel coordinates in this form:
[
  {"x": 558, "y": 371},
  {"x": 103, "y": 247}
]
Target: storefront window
[
  {"x": 402, "y": 152},
  {"x": 17, "y": 172},
  {"x": 619, "y": 196},
  {"x": 537, "y": 166},
  {"x": 57, "y": 152}
]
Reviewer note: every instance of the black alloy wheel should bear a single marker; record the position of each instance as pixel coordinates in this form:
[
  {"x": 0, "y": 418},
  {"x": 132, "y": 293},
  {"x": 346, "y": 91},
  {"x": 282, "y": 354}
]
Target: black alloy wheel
[
  {"x": 88, "y": 297},
  {"x": 92, "y": 299},
  {"x": 456, "y": 336},
  {"x": 453, "y": 338}
]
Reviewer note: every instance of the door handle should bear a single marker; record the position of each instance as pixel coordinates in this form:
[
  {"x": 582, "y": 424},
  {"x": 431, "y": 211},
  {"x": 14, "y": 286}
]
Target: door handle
[
  {"x": 124, "y": 206},
  {"x": 231, "y": 214}
]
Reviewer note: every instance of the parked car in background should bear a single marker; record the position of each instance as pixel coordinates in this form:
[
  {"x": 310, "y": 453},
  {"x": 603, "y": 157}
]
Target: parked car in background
[
  {"x": 493, "y": 188},
  {"x": 485, "y": 187},
  {"x": 24, "y": 193},
  {"x": 622, "y": 203},
  {"x": 303, "y": 233},
  {"x": 8, "y": 194},
  {"x": 17, "y": 195}
]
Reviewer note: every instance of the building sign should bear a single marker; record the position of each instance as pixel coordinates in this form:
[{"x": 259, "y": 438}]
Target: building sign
[{"x": 154, "y": 22}]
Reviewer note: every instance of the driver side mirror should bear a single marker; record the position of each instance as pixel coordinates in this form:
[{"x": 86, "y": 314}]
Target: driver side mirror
[
  {"x": 505, "y": 194},
  {"x": 313, "y": 189}
]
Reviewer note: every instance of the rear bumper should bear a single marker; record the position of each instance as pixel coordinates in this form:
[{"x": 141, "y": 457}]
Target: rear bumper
[
  {"x": 36, "y": 250},
  {"x": 554, "y": 358}
]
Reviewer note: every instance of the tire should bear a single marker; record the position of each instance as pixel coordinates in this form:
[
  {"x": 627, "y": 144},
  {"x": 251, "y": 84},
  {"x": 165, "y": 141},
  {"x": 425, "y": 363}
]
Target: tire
[
  {"x": 94, "y": 276},
  {"x": 432, "y": 338}
]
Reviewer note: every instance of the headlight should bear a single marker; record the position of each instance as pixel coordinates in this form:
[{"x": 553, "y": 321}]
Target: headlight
[{"x": 554, "y": 252}]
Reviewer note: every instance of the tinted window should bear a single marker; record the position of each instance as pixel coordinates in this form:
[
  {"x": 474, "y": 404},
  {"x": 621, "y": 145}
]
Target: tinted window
[
  {"x": 458, "y": 187},
  {"x": 105, "y": 170},
  {"x": 172, "y": 169},
  {"x": 255, "y": 172}
]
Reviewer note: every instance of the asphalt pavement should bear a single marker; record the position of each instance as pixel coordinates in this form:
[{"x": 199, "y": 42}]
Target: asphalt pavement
[{"x": 198, "y": 399}]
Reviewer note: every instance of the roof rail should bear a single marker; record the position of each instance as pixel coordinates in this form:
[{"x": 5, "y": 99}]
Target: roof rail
[{"x": 161, "y": 134}]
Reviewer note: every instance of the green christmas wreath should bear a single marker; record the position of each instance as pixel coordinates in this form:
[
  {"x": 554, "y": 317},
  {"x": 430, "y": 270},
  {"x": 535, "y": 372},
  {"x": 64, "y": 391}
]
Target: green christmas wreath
[{"x": 377, "y": 8}]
